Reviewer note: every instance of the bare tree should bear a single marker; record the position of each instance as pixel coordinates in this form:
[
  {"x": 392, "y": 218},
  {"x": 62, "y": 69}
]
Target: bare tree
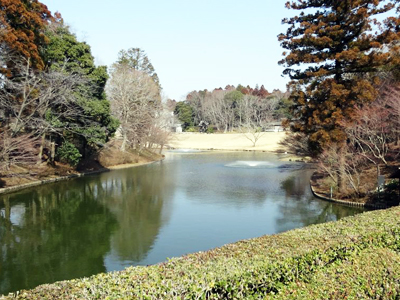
[
  {"x": 161, "y": 129},
  {"x": 372, "y": 134},
  {"x": 214, "y": 109},
  {"x": 392, "y": 98},
  {"x": 257, "y": 115},
  {"x": 19, "y": 98},
  {"x": 371, "y": 131},
  {"x": 19, "y": 150},
  {"x": 137, "y": 59},
  {"x": 296, "y": 142},
  {"x": 40, "y": 103},
  {"x": 344, "y": 166},
  {"x": 196, "y": 101},
  {"x": 135, "y": 101}
]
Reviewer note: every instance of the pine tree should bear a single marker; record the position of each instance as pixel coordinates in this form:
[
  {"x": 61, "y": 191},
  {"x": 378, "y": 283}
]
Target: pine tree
[
  {"x": 336, "y": 49},
  {"x": 137, "y": 59},
  {"x": 22, "y": 24}
]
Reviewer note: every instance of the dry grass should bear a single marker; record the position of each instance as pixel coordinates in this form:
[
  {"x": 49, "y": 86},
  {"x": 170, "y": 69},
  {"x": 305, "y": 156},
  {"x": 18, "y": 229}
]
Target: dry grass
[
  {"x": 229, "y": 141},
  {"x": 18, "y": 175},
  {"x": 322, "y": 184},
  {"x": 111, "y": 155},
  {"x": 108, "y": 157}
]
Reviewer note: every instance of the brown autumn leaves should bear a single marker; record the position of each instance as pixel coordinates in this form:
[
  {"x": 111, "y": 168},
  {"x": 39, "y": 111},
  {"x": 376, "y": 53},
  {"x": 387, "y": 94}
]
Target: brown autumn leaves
[{"x": 342, "y": 58}]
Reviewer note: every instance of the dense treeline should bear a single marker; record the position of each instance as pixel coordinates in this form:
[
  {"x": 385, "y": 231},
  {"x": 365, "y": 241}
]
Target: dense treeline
[
  {"x": 232, "y": 108},
  {"x": 52, "y": 99}
]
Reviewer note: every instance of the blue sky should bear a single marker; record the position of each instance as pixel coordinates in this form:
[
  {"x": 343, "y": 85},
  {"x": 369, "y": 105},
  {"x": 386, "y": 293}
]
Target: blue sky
[{"x": 192, "y": 44}]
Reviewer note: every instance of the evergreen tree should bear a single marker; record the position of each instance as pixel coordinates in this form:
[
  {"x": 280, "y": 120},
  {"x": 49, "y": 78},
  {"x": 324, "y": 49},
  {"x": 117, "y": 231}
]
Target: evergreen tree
[
  {"x": 64, "y": 53},
  {"x": 137, "y": 59},
  {"x": 52, "y": 87},
  {"x": 23, "y": 23},
  {"x": 336, "y": 49},
  {"x": 185, "y": 114}
]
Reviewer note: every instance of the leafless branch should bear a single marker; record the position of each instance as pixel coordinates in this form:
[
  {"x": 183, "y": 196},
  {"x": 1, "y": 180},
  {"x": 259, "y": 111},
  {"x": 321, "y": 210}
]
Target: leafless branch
[
  {"x": 135, "y": 101},
  {"x": 18, "y": 150}
]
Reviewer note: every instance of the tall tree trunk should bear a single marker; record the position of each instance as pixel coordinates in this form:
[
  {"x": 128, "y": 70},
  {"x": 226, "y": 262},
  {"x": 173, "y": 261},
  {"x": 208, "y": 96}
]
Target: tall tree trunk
[
  {"x": 40, "y": 155},
  {"x": 342, "y": 171},
  {"x": 124, "y": 140},
  {"x": 52, "y": 152}
]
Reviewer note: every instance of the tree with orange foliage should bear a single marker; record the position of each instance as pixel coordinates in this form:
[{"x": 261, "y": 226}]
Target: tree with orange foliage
[
  {"x": 23, "y": 23},
  {"x": 335, "y": 52}
]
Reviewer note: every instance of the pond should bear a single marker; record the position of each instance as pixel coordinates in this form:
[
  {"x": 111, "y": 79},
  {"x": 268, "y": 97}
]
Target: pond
[{"x": 187, "y": 203}]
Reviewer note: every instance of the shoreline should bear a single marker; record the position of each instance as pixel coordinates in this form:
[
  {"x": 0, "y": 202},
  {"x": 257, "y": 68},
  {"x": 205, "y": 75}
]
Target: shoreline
[
  {"x": 231, "y": 142},
  {"x": 344, "y": 202},
  {"x": 268, "y": 142},
  {"x": 19, "y": 187}
]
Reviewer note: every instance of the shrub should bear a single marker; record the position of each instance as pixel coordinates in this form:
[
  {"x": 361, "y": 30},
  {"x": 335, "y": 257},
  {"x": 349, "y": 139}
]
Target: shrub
[
  {"x": 210, "y": 129},
  {"x": 68, "y": 153},
  {"x": 192, "y": 129}
]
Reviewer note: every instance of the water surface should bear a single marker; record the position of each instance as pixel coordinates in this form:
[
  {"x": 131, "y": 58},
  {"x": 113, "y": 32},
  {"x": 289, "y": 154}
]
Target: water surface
[{"x": 187, "y": 203}]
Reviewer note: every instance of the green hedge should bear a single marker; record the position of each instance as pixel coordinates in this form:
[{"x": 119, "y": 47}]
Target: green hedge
[{"x": 355, "y": 258}]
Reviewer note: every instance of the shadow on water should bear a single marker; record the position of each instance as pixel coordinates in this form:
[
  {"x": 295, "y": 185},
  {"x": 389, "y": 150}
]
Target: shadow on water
[
  {"x": 303, "y": 208},
  {"x": 65, "y": 230},
  {"x": 136, "y": 198},
  {"x": 39, "y": 233}
]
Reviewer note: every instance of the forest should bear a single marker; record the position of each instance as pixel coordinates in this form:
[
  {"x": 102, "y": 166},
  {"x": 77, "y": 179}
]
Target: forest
[
  {"x": 55, "y": 108},
  {"x": 232, "y": 109}
]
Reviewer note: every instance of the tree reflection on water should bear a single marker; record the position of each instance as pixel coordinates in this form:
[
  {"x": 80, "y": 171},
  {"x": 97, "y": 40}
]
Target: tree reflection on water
[
  {"x": 65, "y": 230},
  {"x": 136, "y": 216},
  {"x": 303, "y": 208},
  {"x": 52, "y": 236}
]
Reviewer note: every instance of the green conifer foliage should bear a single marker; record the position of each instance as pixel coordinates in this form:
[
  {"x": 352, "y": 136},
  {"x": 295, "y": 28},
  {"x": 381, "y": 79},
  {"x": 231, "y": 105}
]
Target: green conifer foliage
[{"x": 66, "y": 54}]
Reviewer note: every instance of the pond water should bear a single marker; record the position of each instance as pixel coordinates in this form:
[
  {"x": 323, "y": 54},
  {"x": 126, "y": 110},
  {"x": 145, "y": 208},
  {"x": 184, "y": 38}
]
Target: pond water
[{"x": 187, "y": 203}]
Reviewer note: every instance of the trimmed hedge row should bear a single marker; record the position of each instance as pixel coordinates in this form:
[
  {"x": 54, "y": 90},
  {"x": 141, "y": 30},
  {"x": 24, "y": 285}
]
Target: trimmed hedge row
[
  {"x": 370, "y": 274},
  {"x": 356, "y": 257}
]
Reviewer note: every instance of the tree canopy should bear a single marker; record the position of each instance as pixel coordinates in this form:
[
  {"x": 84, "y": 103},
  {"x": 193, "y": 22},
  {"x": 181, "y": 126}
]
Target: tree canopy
[
  {"x": 23, "y": 23},
  {"x": 335, "y": 52},
  {"x": 64, "y": 53},
  {"x": 52, "y": 88},
  {"x": 137, "y": 59},
  {"x": 185, "y": 114}
]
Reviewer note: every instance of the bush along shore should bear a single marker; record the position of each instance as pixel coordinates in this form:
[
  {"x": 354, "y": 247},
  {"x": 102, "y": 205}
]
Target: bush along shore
[
  {"x": 108, "y": 158},
  {"x": 355, "y": 258}
]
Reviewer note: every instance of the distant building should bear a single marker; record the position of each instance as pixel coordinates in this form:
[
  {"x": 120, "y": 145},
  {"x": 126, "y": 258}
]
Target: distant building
[
  {"x": 118, "y": 132},
  {"x": 275, "y": 127},
  {"x": 177, "y": 127}
]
